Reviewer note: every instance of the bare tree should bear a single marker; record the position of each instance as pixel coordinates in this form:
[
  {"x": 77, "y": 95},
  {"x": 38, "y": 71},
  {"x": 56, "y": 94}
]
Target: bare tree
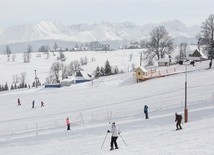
[
  {"x": 61, "y": 56},
  {"x": 64, "y": 71},
  {"x": 14, "y": 57},
  {"x": 160, "y": 43},
  {"x": 55, "y": 47},
  {"x": 55, "y": 69},
  {"x": 23, "y": 79},
  {"x": 27, "y": 55},
  {"x": 8, "y": 52},
  {"x": 15, "y": 78},
  {"x": 182, "y": 51},
  {"x": 207, "y": 30}
]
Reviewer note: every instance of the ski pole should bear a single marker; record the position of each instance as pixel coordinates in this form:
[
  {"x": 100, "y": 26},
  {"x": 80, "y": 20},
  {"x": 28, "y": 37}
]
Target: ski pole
[
  {"x": 123, "y": 140},
  {"x": 104, "y": 140}
]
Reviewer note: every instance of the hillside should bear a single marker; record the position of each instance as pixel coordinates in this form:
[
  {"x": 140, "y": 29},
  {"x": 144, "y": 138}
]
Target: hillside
[{"x": 118, "y": 98}]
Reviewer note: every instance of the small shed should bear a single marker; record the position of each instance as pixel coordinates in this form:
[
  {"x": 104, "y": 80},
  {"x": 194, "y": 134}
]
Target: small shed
[
  {"x": 69, "y": 80},
  {"x": 163, "y": 62},
  {"x": 140, "y": 73},
  {"x": 197, "y": 55}
]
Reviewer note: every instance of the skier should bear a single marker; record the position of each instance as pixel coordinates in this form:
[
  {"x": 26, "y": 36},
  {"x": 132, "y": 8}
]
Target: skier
[
  {"x": 192, "y": 63},
  {"x": 146, "y": 112},
  {"x": 115, "y": 131},
  {"x": 178, "y": 118},
  {"x": 42, "y": 104},
  {"x": 19, "y": 102},
  {"x": 33, "y": 103},
  {"x": 68, "y": 124},
  {"x": 210, "y": 64}
]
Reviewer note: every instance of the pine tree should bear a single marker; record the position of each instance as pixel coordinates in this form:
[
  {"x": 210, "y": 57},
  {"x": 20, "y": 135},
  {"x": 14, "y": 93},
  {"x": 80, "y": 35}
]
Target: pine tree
[
  {"x": 11, "y": 88},
  {"x": 97, "y": 72},
  {"x": 108, "y": 68},
  {"x": 15, "y": 87},
  {"x": 6, "y": 86},
  {"x": 102, "y": 71}
]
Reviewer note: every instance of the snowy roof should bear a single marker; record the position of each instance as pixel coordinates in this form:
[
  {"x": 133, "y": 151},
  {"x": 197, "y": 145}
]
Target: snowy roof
[
  {"x": 197, "y": 53},
  {"x": 82, "y": 75},
  {"x": 163, "y": 60},
  {"x": 69, "y": 78},
  {"x": 142, "y": 68}
]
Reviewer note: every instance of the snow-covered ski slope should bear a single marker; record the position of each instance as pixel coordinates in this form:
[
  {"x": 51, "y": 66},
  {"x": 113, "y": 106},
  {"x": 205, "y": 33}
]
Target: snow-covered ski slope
[{"x": 42, "y": 131}]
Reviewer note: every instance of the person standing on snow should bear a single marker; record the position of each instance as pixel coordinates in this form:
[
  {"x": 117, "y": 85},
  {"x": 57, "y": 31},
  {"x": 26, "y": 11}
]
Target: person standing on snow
[
  {"x": 146, "y": 112},
  {"x": 42, "y": 104},
  {"x": 178, "y": 119},
  {"x": 33, "y": 104},
  {"x": 68, "y": 124},
  {"x": 115, "y": 131},
  {"x": 19, "y": 103}
]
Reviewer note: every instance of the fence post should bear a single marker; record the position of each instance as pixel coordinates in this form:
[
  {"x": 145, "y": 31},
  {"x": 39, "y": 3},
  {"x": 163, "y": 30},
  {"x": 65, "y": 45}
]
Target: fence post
[{"x": 81, "y": 117}]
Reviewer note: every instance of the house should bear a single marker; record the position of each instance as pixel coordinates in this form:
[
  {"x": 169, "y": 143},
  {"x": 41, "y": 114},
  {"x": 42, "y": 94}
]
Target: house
[
  {"x": 140, "y": 73},
  {"x": 196, "y": 55},
  {"x": 82, "y": 76},
  {"x": 78, "y": 77},
  {"x": 69, "y": 80},
  {"x": 163, "y": 62}
]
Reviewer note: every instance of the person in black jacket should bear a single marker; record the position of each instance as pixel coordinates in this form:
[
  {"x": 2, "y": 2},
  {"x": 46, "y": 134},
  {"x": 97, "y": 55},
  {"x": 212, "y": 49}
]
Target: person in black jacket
[
  {"x": 146, "y": 112},
  {"x": 178, "y": 119}
]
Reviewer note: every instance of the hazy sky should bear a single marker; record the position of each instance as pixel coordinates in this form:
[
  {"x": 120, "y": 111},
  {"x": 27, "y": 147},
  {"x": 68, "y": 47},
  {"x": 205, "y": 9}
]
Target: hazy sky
[{"x": 190, "y": 12}]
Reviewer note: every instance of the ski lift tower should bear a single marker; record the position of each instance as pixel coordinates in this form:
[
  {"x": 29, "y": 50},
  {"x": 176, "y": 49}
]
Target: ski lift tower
[
  {"x": 36, "y": 80},
  {"x": 185, "y": 107}
]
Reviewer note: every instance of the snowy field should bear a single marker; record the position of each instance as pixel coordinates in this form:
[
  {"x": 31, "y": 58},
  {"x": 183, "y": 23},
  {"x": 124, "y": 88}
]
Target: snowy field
[{"x": 91, "y": 108}]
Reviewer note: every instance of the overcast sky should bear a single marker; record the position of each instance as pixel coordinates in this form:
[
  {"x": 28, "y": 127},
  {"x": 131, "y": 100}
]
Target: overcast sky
[{"x": 67, "y": 12}]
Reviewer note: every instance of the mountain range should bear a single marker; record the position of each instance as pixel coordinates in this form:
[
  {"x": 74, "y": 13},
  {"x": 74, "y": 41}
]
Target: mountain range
[{"x": 103, "y": 31}]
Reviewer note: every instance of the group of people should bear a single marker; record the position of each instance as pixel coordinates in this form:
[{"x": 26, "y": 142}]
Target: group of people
[
  {"x": 178, "y": 118},
  {"x": 115, "y": 132},
  {"x": 33, "y": 103}
]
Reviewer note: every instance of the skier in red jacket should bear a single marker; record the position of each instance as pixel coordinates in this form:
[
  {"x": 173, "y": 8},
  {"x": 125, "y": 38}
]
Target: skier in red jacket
[{"x": 68, "y": 124}]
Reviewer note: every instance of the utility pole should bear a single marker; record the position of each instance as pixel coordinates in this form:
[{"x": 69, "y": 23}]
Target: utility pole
[
  {"x": 35, "y": 79},
  {"x": 141, "y": 58},
  {"x": 185, "y": 107}
]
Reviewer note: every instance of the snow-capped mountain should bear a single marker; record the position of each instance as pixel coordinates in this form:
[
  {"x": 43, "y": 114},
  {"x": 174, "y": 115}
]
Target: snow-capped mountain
[{"x": 103, "y": 31}]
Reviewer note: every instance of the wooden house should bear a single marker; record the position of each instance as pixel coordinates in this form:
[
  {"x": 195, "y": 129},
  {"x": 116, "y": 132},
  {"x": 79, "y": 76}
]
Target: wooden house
[{"x": 140, "y": 73}]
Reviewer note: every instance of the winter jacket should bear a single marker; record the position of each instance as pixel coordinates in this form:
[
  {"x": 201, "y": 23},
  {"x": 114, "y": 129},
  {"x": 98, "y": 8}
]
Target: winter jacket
[
  {"x": 178, "y": 117},
  {"x": 145, "y": 108},
  {"x": 115, "y": 131},
  {"x": 67, "y": 121}
]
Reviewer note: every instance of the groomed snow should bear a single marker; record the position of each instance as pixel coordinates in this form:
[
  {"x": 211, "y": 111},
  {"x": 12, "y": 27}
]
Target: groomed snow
[{"x": 91, "y": 108}]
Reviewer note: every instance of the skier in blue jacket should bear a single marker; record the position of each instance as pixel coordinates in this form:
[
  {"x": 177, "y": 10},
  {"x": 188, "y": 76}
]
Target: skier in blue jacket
[{"x": 146, "y": 112}]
